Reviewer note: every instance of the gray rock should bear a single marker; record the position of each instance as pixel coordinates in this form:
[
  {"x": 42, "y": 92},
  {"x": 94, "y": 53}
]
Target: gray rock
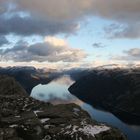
[{"x": 24, "y": 118}]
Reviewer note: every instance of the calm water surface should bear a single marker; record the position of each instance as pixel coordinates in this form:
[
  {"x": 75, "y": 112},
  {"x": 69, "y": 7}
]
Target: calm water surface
[{"x": 57, "y": 92}]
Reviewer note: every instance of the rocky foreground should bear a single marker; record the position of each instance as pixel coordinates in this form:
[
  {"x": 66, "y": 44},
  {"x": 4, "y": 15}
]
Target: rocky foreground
[{"x": 24, "y": 118}]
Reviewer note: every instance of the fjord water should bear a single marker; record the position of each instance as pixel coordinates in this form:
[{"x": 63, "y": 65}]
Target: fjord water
[{"x": 57, "y": 93}]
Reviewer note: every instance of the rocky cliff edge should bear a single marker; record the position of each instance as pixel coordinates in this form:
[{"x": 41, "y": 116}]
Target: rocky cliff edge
[{"x": 24, "y": 118}]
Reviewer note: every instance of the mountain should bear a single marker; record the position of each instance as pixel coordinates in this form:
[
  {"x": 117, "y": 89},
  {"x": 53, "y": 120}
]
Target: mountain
[
  {"x": 24, "y": 118},
  {"x": 116, "y": 90},
  {"x": 28, "y": 77}
]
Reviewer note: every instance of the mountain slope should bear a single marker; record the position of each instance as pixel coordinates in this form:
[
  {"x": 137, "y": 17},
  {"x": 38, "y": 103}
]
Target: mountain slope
[
  {"x": 116, "y": 90},
  {"x": 28, "y": 77},
  {"x": 24, "y": 118}
]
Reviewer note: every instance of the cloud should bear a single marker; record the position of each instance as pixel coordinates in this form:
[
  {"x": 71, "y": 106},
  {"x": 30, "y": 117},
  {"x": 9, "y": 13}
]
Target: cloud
[
  {"x": 53, "y": 17},
  {"x": 135, "y": 52},
  {"x": 125, "y": 13},
  {"x": 3, "y": 41},
  {"x": 132, "y": 55},
  {"x": 51, "y": 50},
  {"x": 55, "y": 41},
  {"x": 30, "y": 26},
  {"x": 3, "y": 6},
  {"x": 64, "y": 10},
  {"x": 116, "y": 30},
  {"x": 129, "y": 55},
  {"x": 69, "y": 9},
  {"x": 98, "y": 45}
]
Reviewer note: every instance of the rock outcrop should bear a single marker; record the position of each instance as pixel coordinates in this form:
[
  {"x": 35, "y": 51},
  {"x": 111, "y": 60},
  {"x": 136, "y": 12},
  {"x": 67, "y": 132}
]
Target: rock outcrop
[
  {"x": 115, "y": 90},
  {"x": 24, "y": 118}
]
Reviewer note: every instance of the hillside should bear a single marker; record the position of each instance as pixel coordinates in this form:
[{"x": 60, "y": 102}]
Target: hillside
[
  {"x": 115, "y": 90},
  {"x": 24, "y": 118},
  {"x": 28, "y": 77}
]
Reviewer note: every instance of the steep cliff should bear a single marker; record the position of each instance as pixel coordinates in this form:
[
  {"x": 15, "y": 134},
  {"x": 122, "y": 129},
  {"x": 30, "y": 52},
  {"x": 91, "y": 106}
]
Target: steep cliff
[
  {"x": 24, "y": 118},
  {"x": 116, "y": 90}
]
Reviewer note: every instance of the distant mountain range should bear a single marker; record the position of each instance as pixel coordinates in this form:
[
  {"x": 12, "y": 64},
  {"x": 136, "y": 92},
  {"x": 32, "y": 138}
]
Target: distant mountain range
[
  {"x": 115, "y": 90},
  {"x": 28, "y": 77}
]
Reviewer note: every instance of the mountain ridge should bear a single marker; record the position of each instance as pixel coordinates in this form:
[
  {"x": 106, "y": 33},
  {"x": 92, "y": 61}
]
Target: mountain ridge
[{"x": 114, "y": 90}]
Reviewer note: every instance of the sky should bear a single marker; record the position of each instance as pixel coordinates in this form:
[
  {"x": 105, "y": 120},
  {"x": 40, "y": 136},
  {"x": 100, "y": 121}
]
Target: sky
[{"x": 64, "y": 34}]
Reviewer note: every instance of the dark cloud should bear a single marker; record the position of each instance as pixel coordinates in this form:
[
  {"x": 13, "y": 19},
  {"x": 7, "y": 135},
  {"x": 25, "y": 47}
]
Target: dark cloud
[
  {"x": 29, "y": 26},
  {"x": 64, "y": 10},
  {"x": 3, "y": 6},
  {"x": 70, "y": 9},
  {"x": 51, "y": 51},
  {"x": 3, "y": 41},
  {"x": 125, "y": 13},
  {"x": 53, "y": 17},
  {"x": 98, "y": 45}
]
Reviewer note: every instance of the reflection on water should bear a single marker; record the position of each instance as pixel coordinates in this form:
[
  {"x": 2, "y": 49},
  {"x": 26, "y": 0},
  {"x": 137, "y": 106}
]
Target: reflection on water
[
  {"x": 132, "y": 132},
  {"x": 57, "y": 92}
]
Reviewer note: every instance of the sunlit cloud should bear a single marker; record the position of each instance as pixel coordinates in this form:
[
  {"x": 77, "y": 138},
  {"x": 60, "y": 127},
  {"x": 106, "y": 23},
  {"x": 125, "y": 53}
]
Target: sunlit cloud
[
  {"x": 48, "y": 19},
  {"x": 52, "y": 50}
]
